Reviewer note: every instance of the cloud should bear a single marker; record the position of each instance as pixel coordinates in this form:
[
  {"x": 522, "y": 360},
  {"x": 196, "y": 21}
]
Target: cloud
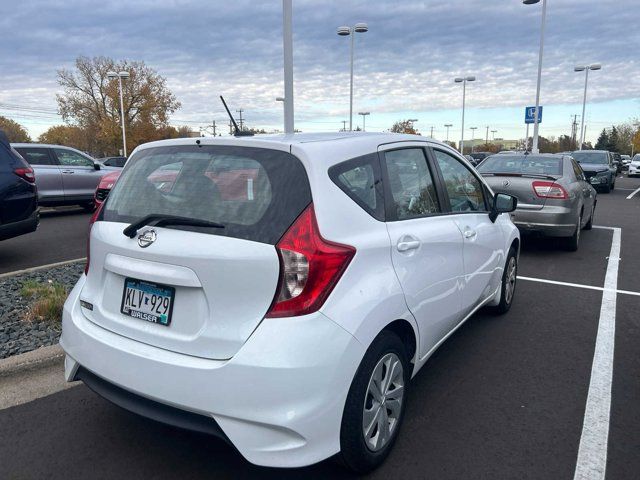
[{"x": 405, "y": 63}]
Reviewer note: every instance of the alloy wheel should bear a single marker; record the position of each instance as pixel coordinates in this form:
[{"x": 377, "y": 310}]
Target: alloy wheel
[
  {"x": 383, "y": 402},
  {"x": 510, "y": 280}
]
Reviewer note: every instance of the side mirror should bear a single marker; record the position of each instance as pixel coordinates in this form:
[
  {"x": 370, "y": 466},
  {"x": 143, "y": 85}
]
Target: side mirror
[
  {"x": 502, "y": 203},
  {"x": 96, "y": 166}
]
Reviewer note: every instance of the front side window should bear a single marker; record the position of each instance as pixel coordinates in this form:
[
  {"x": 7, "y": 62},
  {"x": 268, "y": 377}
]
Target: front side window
[
  {"x": 463, "y": 188},
  {"x": 360, "y": 179},
  {"x": 69, "y": 158},
  {"x": 255, "y": 193},
  {"x": 411, "y": 185}
]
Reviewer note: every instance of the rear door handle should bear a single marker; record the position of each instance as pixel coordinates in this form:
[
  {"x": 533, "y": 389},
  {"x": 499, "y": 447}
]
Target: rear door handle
[
  {"x": 67, "y": 171},
  {"x": 407, "y": 243},
  {"x": 469, "y": 233}
]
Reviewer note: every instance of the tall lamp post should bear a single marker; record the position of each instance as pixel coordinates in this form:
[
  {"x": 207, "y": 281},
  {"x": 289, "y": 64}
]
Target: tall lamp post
[
  {"x": 585, "y": 69},
  {"x": 473, "y": 136},
  {"x": 534, "y": 148},
  {"x": 463, "y": 81},
  {"x": 344, "y": 32},
  {"x": 120, "y": 76},
  {"x": 448, "y": 126},
  {"x": 493, "y": 135},
  {"x": 364, "y": 117}
]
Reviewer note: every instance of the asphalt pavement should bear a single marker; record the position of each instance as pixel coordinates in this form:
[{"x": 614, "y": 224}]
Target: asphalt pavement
[
  {"x": 61, "y": 236},
  {"x": 504, "y": 397}
]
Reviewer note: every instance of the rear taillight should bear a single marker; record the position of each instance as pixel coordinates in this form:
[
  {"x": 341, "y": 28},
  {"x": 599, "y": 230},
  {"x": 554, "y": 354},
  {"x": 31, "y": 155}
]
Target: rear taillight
[
  {"x": 549, "y": 190},
  {"x": 310, "y": 267},
  {"x": 94, "y": 217},
  {"x": 26, "y": 173}
]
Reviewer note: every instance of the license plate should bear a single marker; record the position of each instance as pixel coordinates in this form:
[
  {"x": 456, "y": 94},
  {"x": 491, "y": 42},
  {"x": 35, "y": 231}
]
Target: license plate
[{"x": 147, "y": 301}]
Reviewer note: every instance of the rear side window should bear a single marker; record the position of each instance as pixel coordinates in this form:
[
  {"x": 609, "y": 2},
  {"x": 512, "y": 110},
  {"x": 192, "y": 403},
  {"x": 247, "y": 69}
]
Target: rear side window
[
  {"x": 360, "y": 179},
  {"x": 36, "y": 156},
  {"x": 413, "y": 193},
  {"x": 255, "y": 193}
]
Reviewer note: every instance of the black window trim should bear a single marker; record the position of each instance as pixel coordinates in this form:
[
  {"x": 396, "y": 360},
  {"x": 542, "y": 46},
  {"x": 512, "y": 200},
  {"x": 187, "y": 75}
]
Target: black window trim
[
  {"x": 442, "y": 185},
  {"x": 372, "y": 159},
  {"x": 390, "y": 211}
]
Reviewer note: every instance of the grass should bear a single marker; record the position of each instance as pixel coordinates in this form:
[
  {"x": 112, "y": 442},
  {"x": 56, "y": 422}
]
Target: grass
[{"x": 46, "y": 300}]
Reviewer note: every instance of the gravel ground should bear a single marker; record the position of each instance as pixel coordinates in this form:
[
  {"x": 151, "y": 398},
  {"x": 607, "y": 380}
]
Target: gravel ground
[{"x": 18, "y": 335}]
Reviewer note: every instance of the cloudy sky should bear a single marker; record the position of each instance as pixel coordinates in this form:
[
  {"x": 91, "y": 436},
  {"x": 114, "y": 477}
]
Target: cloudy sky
[{"x": 404, "y": 65}]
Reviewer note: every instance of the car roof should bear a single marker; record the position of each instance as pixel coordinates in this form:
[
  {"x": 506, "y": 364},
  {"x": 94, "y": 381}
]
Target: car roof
[{"x": 347, "y": 144}]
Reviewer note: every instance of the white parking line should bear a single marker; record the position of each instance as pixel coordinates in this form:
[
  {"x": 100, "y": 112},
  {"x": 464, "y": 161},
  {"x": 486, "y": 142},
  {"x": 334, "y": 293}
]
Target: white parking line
[
  {"x": 577, "y": 285},
  {"x": 592, "y": 452},
  {"x": 633, "y": 193}
]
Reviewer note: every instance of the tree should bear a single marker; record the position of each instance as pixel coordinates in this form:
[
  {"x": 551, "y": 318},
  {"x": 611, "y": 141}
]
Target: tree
[
  {"x": 68, "y": 135},
  {"x": 603, "y": 140},
  {"x": 404, "y": 126},
  {"x": 91, "y": 101},
  {"x": 15, "y": 132},
  {"x": 612, "y": 144}
]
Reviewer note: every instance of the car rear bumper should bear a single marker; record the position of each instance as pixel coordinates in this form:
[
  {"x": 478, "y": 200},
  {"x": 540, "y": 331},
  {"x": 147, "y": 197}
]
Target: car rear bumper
[
  {"x": 553, "y": 221},
  {"x": 14, "y": 229},
  {"x": 279, "y": 400}
]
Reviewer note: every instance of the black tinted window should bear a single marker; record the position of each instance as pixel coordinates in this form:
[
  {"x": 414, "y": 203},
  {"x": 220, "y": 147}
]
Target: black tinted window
[
  {"x": 115, "y": 162},
  {"x": 585, "y": 156},
  {"x": 255, "y": 193},
  {"x": 360, "y": 179},
  {"x": 36, "y": 156}
]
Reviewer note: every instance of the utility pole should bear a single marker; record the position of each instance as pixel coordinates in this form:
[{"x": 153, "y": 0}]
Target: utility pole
[
  {"x": 431, "y": 135},
  {"x": 487, "y": 139},
  {"x": 344, "y": 125},
  {"x": 574, "y": 132},
  {"x": 240, "y": 120},
  {"x": 230, "y": 128}
]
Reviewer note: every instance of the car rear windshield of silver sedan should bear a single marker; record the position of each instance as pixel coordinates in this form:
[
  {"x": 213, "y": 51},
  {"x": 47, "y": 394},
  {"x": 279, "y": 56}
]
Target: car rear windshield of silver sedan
[
  {"x": 521, "y": 165},
  {"x": 255, "y": 193}
]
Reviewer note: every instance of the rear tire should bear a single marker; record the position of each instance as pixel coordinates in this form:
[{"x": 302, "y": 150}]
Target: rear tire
[
  {"x": 573, "y": 242},
  {"x": 363, "y": 449},
  {"x": 589, "y": 224},
  {"x": 508, "y": 286}
]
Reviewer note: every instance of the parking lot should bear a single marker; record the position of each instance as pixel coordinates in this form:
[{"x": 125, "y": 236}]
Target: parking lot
[{"x": 506, "y": 397}]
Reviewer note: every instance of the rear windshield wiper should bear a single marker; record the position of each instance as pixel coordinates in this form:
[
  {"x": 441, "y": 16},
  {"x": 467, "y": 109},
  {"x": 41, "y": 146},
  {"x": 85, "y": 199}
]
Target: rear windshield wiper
[{"x": 159, "y": 220}]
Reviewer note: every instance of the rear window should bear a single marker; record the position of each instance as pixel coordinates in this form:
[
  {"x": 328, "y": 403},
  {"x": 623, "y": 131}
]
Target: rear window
[
  {"x": 255, "y": 193},
  {"x": 521, "y": 164},
  {"x": 36, "y": 156}
]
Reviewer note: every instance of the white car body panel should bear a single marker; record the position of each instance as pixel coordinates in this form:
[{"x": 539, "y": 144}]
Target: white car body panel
[{"x": 277, "y": 386}]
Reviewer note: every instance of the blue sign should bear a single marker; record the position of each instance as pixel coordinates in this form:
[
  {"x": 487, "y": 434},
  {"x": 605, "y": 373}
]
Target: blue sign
[{"x": 530, "y": 115}]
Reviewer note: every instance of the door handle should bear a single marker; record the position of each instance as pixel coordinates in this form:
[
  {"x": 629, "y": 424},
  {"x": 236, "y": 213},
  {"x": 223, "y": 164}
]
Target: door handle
[
  {"x": 408, "y": 244},
  {"x": 67, "y": 171},
  {"x": 469, "y": 233}
]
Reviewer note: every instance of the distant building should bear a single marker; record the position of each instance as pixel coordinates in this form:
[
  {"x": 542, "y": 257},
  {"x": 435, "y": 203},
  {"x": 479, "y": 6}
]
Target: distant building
[{"x": 477, "y": 143}]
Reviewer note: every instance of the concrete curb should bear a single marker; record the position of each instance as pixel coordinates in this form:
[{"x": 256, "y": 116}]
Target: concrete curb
[
  {"x": 39, "y": 358},
  {"x": 42, "y": 267}
]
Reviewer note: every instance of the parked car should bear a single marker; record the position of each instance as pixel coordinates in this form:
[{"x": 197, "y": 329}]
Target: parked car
[
  {"x": 479, "y": 156},
  {"x": 634, "y": 166},
  {"x": 617, "y": 161},
  {"x": 288, "y": 316},
  {"x": 598, "y": 168},
  {"x": 626, "y": 160},
  {"x": 18, "y": 193},
  {"x": 65, "y": 176},
  {"x": 113, "y": 161},
  {"x": 554, "y": 197},
  {"x": 104, "y": 187}
]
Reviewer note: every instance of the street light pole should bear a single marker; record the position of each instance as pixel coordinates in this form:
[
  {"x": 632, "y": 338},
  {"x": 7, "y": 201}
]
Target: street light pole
[
  {"x": 585, "y": 68},
  {"x": 493, "y": 135},
  {"x": 364, "y": 116},
  {"x": 122, "y": 74},
  {"x": 473, "y": 136},
  {"x": 534, "y": 148},
  {"x": 464, "y": 81},
  {"x": 447, "y": 126},
  {"x": 343, "y": 32},
  {"x": 287, "y": 43}
]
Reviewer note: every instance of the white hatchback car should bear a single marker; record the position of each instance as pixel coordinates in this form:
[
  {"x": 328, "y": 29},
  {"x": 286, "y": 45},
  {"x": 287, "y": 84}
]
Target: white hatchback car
[{"x": 280, "y": 292}]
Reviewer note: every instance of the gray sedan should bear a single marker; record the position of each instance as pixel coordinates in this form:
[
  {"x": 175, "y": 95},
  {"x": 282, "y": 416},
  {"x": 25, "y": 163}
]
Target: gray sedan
[
  {"x": 64, "y": 175},
  {"x": 554, "y": 197}
]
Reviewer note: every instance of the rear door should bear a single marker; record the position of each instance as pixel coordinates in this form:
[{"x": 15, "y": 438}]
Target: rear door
[
  {"x": 426, "y": 246},
  {"x": 483, "y": 240},
  {"x": 208, "y": 287},
  {"x": 79, "y": 176},
  {"x": 47, "y": 171}
]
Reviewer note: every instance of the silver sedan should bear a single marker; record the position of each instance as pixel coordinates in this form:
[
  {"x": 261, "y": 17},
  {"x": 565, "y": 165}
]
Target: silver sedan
[{"x": 554, "y": 197}]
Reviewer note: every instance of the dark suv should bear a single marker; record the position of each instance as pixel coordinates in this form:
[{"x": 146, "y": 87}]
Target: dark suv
[
  {"x": 599, "y": 168},
  {"x": 18, "y": 193}
]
